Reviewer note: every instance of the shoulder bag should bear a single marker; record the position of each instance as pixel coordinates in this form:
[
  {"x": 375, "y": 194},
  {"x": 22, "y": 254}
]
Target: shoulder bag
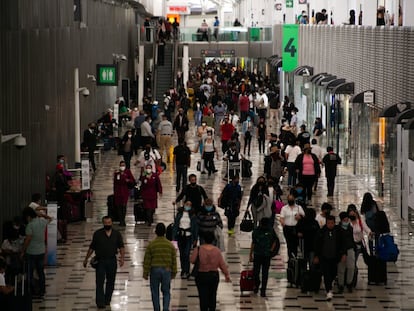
[
  {"x": 247, "y": 224},
  {"x": 196, "y": 267}
]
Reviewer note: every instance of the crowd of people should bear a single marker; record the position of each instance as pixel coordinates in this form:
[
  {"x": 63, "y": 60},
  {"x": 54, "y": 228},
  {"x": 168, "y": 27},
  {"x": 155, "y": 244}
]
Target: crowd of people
[{"x": 229, "y": 108}]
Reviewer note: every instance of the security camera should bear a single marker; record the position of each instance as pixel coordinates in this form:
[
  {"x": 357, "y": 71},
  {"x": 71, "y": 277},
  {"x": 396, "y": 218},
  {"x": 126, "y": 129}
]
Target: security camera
[
  {"x": 20, "y": 142},
  {"x": 85, "y": 92}
]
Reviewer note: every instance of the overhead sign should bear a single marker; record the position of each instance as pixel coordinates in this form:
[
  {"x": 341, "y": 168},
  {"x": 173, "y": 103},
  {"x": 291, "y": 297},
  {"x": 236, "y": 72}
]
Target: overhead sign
[
  {"x": 179, "y": 9},
  {"x": 290, "y": 47},
  {"x": 106, "y": 75},
  {"x": 218, "y": 53},
  {"x": 289, "y": 3}
]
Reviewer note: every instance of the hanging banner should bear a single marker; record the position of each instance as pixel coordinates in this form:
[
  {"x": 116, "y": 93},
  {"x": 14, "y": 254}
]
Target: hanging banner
[{"x": 290, "y": 47}]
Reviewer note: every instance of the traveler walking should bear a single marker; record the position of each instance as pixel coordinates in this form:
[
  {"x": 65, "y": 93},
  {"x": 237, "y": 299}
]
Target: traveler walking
[
  {"x": 193, "y": 193},
  {"x": 331, "y": 161},
  {"x": 182, "y": 157},
  {"x": 150, "y": 187},
  {"x": 106, "y": 243},
  {"x": 123, "y": 182},
  {"x": 160, "y": 265}
]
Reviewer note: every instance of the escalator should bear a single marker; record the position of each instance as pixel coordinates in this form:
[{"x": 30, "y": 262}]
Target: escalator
[{"x": 164, "y": 73}]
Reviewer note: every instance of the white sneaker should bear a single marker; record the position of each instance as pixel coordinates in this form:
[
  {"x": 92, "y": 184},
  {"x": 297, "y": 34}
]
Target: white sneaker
[{"x": 329, "y": 296}]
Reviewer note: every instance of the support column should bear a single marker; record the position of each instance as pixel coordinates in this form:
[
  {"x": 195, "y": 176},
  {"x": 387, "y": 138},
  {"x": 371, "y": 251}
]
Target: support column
[
  {"x": 185, "y": 65},
  {"x": 77, "y": 116},
  {"x": 408, "y": 13},
  {"x": 369, "y": 13},
  {"x": 141, "y": 76}
]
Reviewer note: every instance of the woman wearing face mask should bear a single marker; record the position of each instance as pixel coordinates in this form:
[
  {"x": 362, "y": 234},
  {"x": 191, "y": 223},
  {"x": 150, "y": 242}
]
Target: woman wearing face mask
[
  {"x": 308, "y": 168},
  {"x": 127, "y": 148},
  {"x": 347, "y": 263},
  {"x": 208, "y": 219},
  {"x": 360, "y": 228},
  {"x": 209, "y": 149},
  {"x": 261, "y": 135},
  {"x": 185, "y": 233},
  {"x": 123, "y": 179},
  {"x": 290, "y": 214},
  {"x": 150, "y": 187}
]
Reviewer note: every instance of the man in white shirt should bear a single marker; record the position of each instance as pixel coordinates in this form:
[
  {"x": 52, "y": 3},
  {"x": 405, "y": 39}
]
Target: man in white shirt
[
  {"x": 234, "y": 119},
  {"x": 146, "y": 131},
  {"x": 290, "y": 214},
  {"x": 263, "y": 103},
  {"x": 291, "y": 153},
  {"x": 165, "y": 131}
]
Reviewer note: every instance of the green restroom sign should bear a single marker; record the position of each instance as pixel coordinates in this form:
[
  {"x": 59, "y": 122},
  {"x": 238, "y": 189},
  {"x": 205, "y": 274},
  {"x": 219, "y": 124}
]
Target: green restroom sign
[
  {"x": 290, "y": 47},
  {"x": 289, "y": 3},
  {"x": 106, "y": 75}
]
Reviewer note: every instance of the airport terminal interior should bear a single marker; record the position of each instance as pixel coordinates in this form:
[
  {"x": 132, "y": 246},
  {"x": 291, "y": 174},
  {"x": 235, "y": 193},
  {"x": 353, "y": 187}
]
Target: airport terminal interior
[
  {"x": 72, "y": 287},
  {"x": 65, "y": 64}
]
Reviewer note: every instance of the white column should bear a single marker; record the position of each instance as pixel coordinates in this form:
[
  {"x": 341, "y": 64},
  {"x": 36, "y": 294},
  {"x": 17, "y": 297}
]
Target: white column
[
  {"x": 77, "y": 116},
  {"x": 408, "y": 13},
  {"x": 185, "y": 65},
  {"x": 369, "y": 13},
  {"x": 141, "y": 76}
]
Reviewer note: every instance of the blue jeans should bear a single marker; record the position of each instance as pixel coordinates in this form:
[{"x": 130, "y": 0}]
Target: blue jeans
[
  {"x": 36, "y": 262},
  {"x": 184, "y": 245},
  {"x": 160, "y": 276},
  {"x": 291, "y": 173},
  {"x": 106, "y": 269},
  {"x": 181, "y": 176}
]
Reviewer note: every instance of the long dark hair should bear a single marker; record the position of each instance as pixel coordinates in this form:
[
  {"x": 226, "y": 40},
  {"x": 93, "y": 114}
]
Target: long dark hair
[{"x": 368, "y": 203}]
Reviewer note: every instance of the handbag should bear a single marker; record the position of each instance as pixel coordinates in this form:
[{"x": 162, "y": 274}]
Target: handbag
[
  {"x": 196, "y": 267},
  {"x": 278, "y": 206},
  {"x": 247, "y": 224},
  {"x": 94, "y": 262}
]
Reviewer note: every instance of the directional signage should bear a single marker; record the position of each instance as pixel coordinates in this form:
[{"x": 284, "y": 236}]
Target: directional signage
[
  {"x": 289, "y": 3},
  {"x": 290, "y": 47},
  {"x": 218, "y": 53},
  {"x": 106, "y": 75}
]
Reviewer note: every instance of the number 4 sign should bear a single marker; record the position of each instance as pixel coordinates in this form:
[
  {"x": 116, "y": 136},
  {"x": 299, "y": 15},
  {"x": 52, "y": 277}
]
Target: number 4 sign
[{"x": 290, "y": 47}]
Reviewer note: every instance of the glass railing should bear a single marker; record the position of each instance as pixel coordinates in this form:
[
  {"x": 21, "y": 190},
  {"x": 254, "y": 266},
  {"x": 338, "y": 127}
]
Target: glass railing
[{"x": 224, "y": 34}]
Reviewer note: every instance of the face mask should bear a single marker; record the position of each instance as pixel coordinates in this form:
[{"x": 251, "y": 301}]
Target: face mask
[
  {"x": 122, "y": 168},
  {"x": 107, "y": 227},
  {"x": 61, "y": 161},
  {"x": 344, "y": 224},
  {"x": 248, "y": 119},
  {"x": 352, "y": 217},
  {"x": 291, "y": 202},
  {"x": 209, "y": 208},
  {"x": 149, "y": 171},
  {"x": 187, "y": 208},
  {"x": 129, "y": 136},
  {"x": 16, "y": 227},
  {"x": 299, "y": 191},
  {"x": 193, "y": 183}
]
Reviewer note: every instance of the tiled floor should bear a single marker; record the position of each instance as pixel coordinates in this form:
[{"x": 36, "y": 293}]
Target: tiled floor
[{"x": 71, "y": 287}]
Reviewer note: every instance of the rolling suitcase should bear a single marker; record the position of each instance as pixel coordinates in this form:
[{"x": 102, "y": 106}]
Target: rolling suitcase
[
  {"x": 247, "y": 283},
  {"x": 297, "y": 266},
  {"x": 139, "y": 212},
  {"x": 377, "y": 271},
  {"x": 112, "y": 212},
  {"x": 22, "y": 298},
  {"x": 311, "y": 280}
]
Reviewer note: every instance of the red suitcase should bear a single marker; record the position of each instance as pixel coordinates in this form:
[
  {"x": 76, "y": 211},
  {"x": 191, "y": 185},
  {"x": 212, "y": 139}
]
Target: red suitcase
[{"x": 246, "y": 281}]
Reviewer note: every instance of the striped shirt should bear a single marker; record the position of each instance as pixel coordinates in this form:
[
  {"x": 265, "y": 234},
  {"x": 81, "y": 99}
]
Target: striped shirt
[{"x": 160, "y": 253}]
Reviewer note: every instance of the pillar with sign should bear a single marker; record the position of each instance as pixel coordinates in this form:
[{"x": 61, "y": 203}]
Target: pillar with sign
[{"x": 290, "y": 50}]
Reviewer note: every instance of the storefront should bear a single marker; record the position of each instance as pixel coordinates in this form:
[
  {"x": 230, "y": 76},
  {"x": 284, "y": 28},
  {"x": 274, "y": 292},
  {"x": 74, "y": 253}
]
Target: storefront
[
  {"x": 390, "y": 117},
  {"x": 367, "y": 143}
]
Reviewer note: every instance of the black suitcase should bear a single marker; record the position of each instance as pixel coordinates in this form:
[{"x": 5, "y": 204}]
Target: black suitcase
[
  {"x": 112, "y": 212},
  {"x": 377, "y": 271},
  {"x": 139, "y": 212},
  {"x": 22, "y": 298},
  {"x": 311, "y": 280},
  {"x": 295, "y": 271}
]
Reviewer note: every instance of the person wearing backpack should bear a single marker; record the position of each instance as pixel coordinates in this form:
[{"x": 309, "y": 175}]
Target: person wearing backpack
[
  {"x": 193, "y": 193},
  {"x": 264, "y": 243}
]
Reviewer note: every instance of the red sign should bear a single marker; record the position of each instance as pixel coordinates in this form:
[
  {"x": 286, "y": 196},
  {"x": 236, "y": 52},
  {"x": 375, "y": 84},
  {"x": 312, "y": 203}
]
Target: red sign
[{"x": 178, "y": 9}]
